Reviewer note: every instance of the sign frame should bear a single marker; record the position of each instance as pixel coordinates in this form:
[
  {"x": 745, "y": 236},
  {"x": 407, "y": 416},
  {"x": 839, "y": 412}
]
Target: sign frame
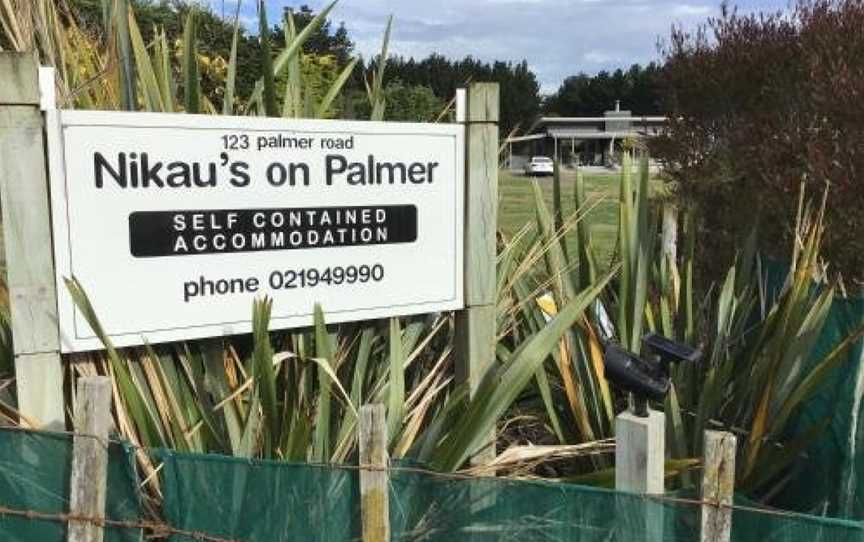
[{"x": 69, "y": 318}]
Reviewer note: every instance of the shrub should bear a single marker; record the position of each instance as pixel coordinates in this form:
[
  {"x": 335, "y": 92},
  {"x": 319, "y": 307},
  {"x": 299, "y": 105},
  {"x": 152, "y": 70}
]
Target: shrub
[{"x": 760, "y": 104}]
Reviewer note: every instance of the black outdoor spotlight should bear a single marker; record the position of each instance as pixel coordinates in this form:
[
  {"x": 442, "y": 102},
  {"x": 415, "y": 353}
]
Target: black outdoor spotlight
[{"x": 646, "y": 378}]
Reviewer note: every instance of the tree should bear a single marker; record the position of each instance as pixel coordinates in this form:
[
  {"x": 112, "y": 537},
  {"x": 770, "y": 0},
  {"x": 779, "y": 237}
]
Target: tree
[
  {"x": 583, "y": 95},
  {"x": 325, "y": 41},
  {"x": 412, "y": 103},
  {"x": 215, "y": 35},
  {"x": 760, "y": 105},
  {"x": 520, "y": 91}
]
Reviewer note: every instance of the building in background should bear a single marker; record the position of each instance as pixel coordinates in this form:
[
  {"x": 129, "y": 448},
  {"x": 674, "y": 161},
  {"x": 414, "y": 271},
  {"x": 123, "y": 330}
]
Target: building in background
[{"x": 582, "y": 141}]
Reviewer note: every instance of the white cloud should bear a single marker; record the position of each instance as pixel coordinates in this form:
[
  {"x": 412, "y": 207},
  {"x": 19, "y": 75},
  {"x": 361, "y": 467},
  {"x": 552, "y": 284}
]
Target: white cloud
[
  {"x": 691, "y": 10},
  {"x": 599, "y": 57}
]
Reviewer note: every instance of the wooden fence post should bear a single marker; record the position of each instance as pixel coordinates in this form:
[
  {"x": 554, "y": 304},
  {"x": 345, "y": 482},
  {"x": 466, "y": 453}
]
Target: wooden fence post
[
  {"x": 88, "y": 483},
  {"x": 640, "y": 457},
  {"x": 475, "y": 326},
  {"x": 670, "y": 232},
  {"x": 718, "y": 485},
  {"x": 374, "y": 477},
  {"x": 640, "y": 452},
  {"x": 27, "y": 241}
]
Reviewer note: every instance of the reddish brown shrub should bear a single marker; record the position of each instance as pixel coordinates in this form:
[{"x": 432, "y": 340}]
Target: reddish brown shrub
[{"x": 760, "y": 104}]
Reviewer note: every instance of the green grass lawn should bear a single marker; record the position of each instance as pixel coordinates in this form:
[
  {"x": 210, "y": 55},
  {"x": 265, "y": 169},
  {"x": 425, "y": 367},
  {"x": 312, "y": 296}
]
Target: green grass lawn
[{"x": 516, "y": 205}]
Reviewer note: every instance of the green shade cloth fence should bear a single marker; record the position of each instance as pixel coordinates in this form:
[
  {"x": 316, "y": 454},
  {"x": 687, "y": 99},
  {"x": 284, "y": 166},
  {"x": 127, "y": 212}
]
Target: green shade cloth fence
[
  {"x": 268, "y": 501},
  {"x": 34, "y": 476},
  {"x": 259, "y": 500},
  {"x": 829, "y": 477}
]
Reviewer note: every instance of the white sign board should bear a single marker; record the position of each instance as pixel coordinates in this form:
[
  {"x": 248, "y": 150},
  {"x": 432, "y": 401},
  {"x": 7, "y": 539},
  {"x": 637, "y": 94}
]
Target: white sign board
[{"x": 173, "y": 224}]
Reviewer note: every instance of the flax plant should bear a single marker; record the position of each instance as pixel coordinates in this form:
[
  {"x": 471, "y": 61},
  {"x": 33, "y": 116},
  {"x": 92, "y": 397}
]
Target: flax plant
[
  {"x": 760, "y": 373},
  {"x": 756, "y": 373},
  {"x": 86, "y": 68},
  {"x": 295, "y": 395}
]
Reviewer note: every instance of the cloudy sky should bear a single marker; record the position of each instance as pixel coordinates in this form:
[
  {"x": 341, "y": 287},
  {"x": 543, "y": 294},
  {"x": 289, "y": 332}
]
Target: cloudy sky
[{"x": 556, "y": 37}]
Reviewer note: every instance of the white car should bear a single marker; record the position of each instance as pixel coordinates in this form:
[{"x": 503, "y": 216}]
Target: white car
[{"x": 539, "y": 165}]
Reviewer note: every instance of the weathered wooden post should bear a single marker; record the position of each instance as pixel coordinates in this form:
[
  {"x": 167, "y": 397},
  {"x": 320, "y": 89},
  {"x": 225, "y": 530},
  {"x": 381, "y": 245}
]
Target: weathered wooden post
[
  {"x": 640, "y": 455},
  {"x": 27, "y": 240},
  {"x": 640, "y": 452},
  {"x": 88, "y": 483},
  {"x": 670, "y": 232},
  {"x": 475, "y": 326},
  {"x": 718, "y": 485},
  {"x": 374, "y": 477}
]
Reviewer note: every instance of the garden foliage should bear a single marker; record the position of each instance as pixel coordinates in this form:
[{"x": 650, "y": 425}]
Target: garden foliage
[{"x": 759, "y": 104}]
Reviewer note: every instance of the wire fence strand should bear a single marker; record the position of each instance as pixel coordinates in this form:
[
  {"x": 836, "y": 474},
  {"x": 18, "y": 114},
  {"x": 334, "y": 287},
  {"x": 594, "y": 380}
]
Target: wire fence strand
[{"x": 156, "y": 528}]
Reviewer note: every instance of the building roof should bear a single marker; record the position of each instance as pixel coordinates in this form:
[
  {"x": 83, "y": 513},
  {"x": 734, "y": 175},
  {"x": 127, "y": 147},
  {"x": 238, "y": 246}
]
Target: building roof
[
  {"x": 564, "y": 133},
  {"x": 525, "y": 138},
  {"x": 614, "y": 125},
  {"x": 591, "y": 120}
]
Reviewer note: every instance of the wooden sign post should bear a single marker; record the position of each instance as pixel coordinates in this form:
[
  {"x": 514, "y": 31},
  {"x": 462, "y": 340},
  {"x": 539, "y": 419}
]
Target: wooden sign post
[
  {"x": 27, "y": 240},
  {"x": 475, "y": 325}
]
